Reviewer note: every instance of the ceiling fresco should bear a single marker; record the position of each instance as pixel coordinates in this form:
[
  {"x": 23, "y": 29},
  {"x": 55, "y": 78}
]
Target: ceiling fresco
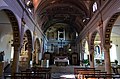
[{"x": 75, "y": 13}]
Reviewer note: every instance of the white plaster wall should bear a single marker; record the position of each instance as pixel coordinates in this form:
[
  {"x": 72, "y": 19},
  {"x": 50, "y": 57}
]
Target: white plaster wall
[
  {"x": 116, "y": 40},
  {"x": 6, "y": 46},
  {"x": 40, "y": 56}
]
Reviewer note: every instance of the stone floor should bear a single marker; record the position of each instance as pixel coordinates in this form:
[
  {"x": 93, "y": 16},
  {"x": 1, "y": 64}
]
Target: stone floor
[{"x": 58, "y": 71}]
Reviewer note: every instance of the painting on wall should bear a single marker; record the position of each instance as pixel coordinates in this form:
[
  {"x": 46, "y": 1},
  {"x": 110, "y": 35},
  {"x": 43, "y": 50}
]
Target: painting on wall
[{"x": 74, "y": 57}]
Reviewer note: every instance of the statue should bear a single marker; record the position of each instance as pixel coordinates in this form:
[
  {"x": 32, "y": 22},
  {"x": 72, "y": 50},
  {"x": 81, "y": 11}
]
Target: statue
[{"x": 2, "y": 56}]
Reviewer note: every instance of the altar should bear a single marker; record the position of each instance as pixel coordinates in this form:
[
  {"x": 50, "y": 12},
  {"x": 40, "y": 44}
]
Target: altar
[{"x": 61, "y": 61}]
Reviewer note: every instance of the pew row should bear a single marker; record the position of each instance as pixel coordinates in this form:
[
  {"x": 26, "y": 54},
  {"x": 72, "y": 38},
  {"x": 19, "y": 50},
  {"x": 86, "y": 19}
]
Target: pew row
[
  {"x": 79, "y": 72},
  {"x": 33, "y": 73},
  {"x": 102, "y": 76}
]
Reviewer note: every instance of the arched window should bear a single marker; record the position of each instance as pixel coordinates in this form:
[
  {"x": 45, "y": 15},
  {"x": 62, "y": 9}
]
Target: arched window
[{"x": 95, "y": 7}]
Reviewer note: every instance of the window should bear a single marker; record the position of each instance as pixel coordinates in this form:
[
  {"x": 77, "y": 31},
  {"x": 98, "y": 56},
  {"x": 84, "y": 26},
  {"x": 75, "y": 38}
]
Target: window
[
  {"x": 95, "y": 7},
  {"x": 61, "y": 34}
]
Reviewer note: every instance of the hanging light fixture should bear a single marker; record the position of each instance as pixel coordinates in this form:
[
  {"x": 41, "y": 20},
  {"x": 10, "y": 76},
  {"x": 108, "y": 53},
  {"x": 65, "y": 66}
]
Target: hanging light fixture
[{"x": 29, "y": 5}]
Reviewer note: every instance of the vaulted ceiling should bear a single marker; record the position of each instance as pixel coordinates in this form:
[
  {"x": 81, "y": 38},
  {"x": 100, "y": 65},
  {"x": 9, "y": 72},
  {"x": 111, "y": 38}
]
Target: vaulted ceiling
[{"x": 75, "y": 13}]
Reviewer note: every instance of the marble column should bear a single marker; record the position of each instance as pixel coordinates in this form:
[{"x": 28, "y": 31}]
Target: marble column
[{"x": 107, "y": 58}]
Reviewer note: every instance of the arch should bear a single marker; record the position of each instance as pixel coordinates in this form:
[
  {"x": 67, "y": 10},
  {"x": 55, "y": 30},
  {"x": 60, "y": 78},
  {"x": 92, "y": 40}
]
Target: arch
[
  {"x": 29, "y": 37},
  {"x": 16, "y": 37},
  {"x": 37, "y": 42},
  {"x": 92, "y": 38},
  {"x": 92, "y": 47},
  {"x": 29, "y": 46},
  {"x": 83, "y": 44},
  {"x": 106, "y": 41},
  {"x": 37, "y": 51},
  {"x": 15, "y": 27},
  {"x": 109, "y": 27},
  {"x": 85, "y": 47}
]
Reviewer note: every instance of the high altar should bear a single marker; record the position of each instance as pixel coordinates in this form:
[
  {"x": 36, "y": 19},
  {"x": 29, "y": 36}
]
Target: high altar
[{"x": 61, "y": 61}]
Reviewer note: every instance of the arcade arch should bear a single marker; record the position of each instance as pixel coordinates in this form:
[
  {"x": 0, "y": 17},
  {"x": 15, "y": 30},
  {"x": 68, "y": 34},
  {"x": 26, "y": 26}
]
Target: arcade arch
[
  {"x": 95, "y": 48},
  {"x": 9, "y": 37},
  {"x": 114, "y": 41},
  {"x": 26, "y": 50},
  {"x": 108, "y": 29},
  {"x": 37, "y": 51}
]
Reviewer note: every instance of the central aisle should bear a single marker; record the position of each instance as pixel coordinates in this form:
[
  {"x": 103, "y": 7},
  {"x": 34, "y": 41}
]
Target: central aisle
[{"x": 58, "y": 71}]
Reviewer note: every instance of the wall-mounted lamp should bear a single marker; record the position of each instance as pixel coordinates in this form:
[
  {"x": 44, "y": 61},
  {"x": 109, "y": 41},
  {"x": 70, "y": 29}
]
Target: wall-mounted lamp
[
  {"x": 23, "y": 21},
  {"x": 69, "y": 50},
  {"x": 29, "y": 4},
  {"x": 34, "y": 33}
]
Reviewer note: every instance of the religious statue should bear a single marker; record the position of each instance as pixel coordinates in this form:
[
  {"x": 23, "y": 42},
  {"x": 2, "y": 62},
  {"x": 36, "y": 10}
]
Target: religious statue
[{"x": 2, "y": 56}]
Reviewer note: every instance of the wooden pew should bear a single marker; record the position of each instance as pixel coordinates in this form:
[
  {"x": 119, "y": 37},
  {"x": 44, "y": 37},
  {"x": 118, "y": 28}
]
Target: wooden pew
[
  {"x": 79, "y": 72},
  {"x": 34, "y": 73},
  {"x": 102, "y": 76},
  {"x": 82, "y": 69},
  {"x": 38, "y": 75},
  {"x": 46, "y": 70}
]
